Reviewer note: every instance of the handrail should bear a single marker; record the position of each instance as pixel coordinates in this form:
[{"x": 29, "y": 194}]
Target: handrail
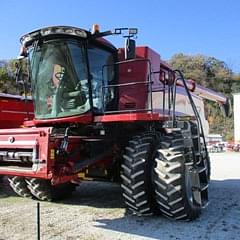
[{"x": 148, "y": 83}]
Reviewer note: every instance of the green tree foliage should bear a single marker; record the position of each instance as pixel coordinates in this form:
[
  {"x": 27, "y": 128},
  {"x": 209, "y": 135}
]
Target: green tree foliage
[
  {"x": 7, "y": 77},
  {"x": 4, "y": 78},
  {"x": 207, "y": 71},
  {"x": 215, "y": 74}
]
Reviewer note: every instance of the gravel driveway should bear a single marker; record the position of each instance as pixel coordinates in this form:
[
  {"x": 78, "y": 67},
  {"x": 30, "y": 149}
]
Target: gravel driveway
[{"x": 96, "y": 211}]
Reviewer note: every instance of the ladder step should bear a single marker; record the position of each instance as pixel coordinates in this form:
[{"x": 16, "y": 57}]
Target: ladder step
[
  {"x": 203, "y": 186},
  {"x": 201, "y": 169},
  {"x": 201, "y": 153},
  {"x": 205, "y": 204}
]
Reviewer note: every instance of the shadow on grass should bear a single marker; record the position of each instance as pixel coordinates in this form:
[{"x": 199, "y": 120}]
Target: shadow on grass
[
  {"x": 220, "y": 218},
  {"x": 96, "y": 194},
  {"x": 5, "y": 189},
  {"x": 108, "y": 195}
]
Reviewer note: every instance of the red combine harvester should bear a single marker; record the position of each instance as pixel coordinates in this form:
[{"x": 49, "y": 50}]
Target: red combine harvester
[
  {"x": 103, "y": 113},
  {"x": 14, "y": 110}
]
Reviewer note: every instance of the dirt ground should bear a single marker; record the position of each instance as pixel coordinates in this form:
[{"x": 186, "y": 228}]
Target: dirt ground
[{"x": 96, "y": 211}]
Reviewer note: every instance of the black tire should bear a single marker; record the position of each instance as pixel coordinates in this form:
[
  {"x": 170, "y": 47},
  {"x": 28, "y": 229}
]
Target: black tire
[
  {"x": 19, "y": 186},
  {"x": 136, "y": 184},
  {"x": 1, "y": 179},
  {"x": 179, "y": 190},
  {"x": 44, "y": 191},
  {"x": 41, "y": 189}
]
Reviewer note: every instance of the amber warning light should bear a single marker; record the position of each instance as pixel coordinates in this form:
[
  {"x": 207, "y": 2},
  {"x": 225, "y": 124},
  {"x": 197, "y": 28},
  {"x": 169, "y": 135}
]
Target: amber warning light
[{"x": 95, "y": 28}]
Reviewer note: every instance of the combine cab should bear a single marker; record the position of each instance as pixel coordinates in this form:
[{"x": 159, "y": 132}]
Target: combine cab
[{"x": 103, "y": 113}]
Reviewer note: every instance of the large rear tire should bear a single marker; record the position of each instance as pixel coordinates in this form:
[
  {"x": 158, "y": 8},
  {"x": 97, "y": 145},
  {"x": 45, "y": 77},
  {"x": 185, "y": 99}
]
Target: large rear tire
[
  {"x": 180, "y": 190},
  {"x": 19, "y": 186},
  {"x": 136, "y": 184}
]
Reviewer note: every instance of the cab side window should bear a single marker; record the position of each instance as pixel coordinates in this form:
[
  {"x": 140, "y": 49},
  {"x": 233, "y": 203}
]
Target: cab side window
[{"x": 102, "y": 74}]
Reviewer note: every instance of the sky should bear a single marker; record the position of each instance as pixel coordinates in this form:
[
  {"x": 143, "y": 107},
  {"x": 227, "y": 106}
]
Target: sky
[{"x": 209, "y": 27}]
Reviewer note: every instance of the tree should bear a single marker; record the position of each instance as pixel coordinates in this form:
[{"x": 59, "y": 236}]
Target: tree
[
  {"x": 4, "y": 79},
  {"x": 7, "y": 77},
  {"x": 207, "y": 71}
]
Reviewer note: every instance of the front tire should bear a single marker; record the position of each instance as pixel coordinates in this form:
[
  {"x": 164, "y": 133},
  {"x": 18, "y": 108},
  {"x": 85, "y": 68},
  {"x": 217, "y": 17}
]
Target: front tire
[
  {"x": 179, "y": 190},
  {"x": 136, "y": 174}
]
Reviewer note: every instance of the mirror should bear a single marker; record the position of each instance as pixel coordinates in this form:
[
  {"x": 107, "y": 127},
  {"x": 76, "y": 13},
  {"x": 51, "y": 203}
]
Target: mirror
[
  {"x": 227, "y": 108},
  {"x": 21, "y": 73},
  {"x": 23, "y": 53},
  {"x": 18, "y": 73},
  {"x": 130, "y": 49}
]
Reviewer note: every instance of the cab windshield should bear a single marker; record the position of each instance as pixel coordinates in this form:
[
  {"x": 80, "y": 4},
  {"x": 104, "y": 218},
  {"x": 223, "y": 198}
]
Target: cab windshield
[
  {"x": 59, "y": 79},
  {"x": 60, "y": 84}
]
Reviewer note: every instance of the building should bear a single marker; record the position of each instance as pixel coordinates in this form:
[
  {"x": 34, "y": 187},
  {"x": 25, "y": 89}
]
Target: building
[
  {"x": 214, "y": 138},
  {"x": 236, "y": 112}
]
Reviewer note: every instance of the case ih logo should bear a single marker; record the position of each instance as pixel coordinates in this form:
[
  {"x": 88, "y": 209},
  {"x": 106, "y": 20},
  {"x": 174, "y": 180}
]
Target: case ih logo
[{"x": 11, "y": 139}]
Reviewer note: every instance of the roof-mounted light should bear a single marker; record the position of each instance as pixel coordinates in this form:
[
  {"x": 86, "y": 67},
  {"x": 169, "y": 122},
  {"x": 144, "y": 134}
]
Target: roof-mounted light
[
  {"x": 95, "y": 29},
  {"x": 64, "y": 30},
  {"x": 58, "y": 30},
  {"x": 132, "y": 31}
]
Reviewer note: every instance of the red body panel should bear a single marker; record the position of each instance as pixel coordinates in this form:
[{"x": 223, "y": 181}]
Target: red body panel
[
  {"x": 14, "y": 110},
  {"x": 135, "y": 96},
  {"x": 36, "y": 141},
  {"x": 131, "y": 117},
  {"x": 46, "y": 161},
  {"x": 86, "y": 119}
]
